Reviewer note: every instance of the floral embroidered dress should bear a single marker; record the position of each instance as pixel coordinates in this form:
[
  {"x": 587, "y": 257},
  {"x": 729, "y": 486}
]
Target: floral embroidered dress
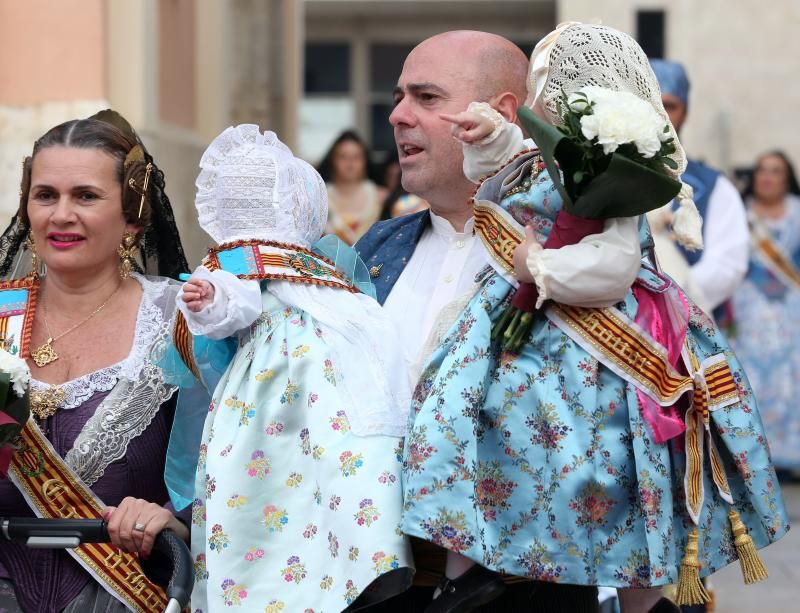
[
  {"x": 543, "y": 464},
  {"x": 293, "y": 511},
  {"x": 766, "y": 311},
  {"x": 297, "y": 489}
]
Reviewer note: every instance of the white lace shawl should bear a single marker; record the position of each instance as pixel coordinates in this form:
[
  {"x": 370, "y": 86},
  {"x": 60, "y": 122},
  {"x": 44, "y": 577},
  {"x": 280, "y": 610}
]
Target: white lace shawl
[{"x": 137, "y": 387}]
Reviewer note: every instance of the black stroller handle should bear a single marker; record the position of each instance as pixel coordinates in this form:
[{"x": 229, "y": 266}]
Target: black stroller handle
[{"x": 168, "y": 549}]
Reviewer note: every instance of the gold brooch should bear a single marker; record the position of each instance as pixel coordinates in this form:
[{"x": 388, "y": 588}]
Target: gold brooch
[
  {"x": 45, "y": 404},
  {"x": 375, "y": 271}
]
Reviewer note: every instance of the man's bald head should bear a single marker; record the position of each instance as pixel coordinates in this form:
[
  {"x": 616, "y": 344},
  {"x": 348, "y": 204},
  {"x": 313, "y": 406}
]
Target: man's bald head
[
  {"x": 490, "y": 64},
  {"x": 442, "y": 75}
]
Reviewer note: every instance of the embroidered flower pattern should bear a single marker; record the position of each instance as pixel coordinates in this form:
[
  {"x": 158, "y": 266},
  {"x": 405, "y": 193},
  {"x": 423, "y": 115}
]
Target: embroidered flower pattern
[
  {"x": 274, "y": 518},
  {"x": 290, "y": 394},
  {"x": 253, "y": 554},
  {"x": 265, "y": 375},
  {"x": 367, "y": 513},
  {"x": 300, "y": 351},
  {"x": 350, "y": 463},
  {"x": 419, "y": 450},
  {"x": 258, "y": 466},
  {"x": 295, "y": 570},
  {"x": 236, "y": 501},
  {"x": 387, "y": 478},
  {"x": 198, "y": 512},
  {"x": 333, "y": 545},
  {"x": 328, "y": 372},
  {"x": 233, "y": 593},
  {"x": 449, "y": 530},
  {"x": 351, "y": 592},
  {"x": 200, "y": 572},
  {"x": 591, "y": 505},
  {"x": 382, "y": 563},
  {"x": 218, "y": 539},
  {"x": 274, "y": 428},
  {"x": 326, "y": 583},
  {"x": 340, "y": 422},
  {"x": 492, "y": 489},
  {"x": 294, "y": 479}
]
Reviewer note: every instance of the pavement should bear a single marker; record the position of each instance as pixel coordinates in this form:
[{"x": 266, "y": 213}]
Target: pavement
[{"x": 780, "y": 593}]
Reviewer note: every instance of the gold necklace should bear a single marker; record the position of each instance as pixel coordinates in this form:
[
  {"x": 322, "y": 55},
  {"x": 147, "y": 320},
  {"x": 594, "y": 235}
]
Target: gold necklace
[{"x": 45, "y": 354}]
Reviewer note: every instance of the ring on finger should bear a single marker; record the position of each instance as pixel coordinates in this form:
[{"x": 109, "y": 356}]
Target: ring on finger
[{"x": 138, "y": 527}]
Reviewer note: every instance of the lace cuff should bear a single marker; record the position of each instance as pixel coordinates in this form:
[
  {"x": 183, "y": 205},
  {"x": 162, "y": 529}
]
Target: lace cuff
[
  {"x": 484, "y": 109},
  {"x": 538, "y": 269}
]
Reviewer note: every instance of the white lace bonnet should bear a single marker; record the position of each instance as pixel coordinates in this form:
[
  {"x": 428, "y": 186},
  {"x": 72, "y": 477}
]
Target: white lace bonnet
[
  {"x": 578, "y": 54},
  {"x": 252, "y": 187}
]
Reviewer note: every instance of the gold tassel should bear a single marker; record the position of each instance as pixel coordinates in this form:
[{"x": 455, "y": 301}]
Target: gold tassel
[
  {"x": 690, "y": 589},
  {"x": 753, "y": 569}
]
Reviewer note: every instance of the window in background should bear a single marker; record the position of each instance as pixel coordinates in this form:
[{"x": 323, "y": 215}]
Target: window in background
[
  {"x": 327, "y": 106},
  {"x": 327, "y": 68},
  {"x": 650, "y": 32},
  {"x": 385, "y": 65}
]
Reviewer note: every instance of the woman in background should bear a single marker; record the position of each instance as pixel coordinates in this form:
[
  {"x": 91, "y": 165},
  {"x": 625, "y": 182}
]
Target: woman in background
[
  {"x": 766, "y": 308},
  {"x": 355, "y": 200}
]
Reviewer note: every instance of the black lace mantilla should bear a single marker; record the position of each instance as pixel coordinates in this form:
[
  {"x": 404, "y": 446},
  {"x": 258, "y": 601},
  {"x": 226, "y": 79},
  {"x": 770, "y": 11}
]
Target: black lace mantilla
[{"x": 161, "y": 249}]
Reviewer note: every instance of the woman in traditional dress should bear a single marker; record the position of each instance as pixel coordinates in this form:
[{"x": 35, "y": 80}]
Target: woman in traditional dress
[
  {"x": 589, "y": 457},
  {"x": 86, "y": 319},
  {"x": 355, "y": 201},
  {"x": 766, "y": 308}
]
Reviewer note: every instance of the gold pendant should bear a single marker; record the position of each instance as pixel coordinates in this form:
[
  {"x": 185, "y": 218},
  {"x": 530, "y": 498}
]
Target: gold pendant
[
  {"x": 44, "y": 354},
  {"x": 45, "y": 404}
]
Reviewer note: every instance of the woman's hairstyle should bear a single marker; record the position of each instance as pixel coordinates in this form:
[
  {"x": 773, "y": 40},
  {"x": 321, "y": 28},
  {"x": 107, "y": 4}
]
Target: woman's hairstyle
[
  {"x": 792, "y": 186},
  {"x": 325, "y": 167},
  {"x": 108, "y": 138},
  {"x": 159, "y": 241}
]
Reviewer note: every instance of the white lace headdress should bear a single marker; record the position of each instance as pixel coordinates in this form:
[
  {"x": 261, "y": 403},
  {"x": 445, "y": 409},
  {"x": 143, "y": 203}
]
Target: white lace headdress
[
  {"x": 251, "y": 187},
  {"x": 575, "y": 55}
]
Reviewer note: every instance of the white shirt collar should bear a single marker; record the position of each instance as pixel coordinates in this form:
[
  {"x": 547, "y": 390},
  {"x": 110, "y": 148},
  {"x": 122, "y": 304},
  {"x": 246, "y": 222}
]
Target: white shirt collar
[{"x": 444, "y": 229}]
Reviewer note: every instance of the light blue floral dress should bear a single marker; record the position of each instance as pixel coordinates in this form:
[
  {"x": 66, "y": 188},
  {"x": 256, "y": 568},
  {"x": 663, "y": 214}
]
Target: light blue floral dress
[
  {"x": 766, "y": 312},
  {"x": 541, "y": 465},
  {"x": 303, "y": 514}
]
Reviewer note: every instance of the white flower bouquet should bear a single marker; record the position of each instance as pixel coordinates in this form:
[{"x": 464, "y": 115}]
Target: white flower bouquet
[
  {"x": 15, "y": 377},
  {"x": 608, "y": 157},
  {"x": 612, "y": 150}
]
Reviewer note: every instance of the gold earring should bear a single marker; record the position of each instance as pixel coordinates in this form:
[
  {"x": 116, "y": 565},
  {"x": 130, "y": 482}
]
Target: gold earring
[
  {"x": 127, "y": 252},
  {"x": 35, "y": 262}
]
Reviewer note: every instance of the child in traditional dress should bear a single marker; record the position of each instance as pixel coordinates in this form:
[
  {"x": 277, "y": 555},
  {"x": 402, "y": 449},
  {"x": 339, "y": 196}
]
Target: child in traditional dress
[
  {"x": 297, "y": 487},
  {"x": 581, "y": 458}
]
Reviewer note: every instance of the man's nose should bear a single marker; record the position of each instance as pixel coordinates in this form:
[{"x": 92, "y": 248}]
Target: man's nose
[{"x": 401, "y": 114}]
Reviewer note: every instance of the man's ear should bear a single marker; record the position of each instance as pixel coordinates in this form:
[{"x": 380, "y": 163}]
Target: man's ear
[{"x": 506, "y": 104}]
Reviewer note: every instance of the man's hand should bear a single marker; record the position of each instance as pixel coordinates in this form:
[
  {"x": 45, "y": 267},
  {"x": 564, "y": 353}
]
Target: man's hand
[
  {"x": 469, "y": 127},
  {"x": 521, "y": 270},
  {"x": 197, "y": 294}
]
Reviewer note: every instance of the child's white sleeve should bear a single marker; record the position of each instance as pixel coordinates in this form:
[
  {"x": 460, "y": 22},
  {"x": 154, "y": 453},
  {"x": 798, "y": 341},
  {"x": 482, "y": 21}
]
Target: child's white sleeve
[
  {"x": 596, "y": 272},
  {"x": 236, "y": 305},
  {"x": 490, "y": 153}
]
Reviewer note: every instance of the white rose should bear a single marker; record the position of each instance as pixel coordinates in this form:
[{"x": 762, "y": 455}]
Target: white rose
[
  {"x": 577, "y": 102},
  {"x": 619, "y": 118},
  {"x": 17, "y": 369}
]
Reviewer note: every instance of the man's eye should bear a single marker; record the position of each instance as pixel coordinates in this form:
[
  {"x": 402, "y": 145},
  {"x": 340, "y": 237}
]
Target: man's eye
[{"x": 427, "y": 97}]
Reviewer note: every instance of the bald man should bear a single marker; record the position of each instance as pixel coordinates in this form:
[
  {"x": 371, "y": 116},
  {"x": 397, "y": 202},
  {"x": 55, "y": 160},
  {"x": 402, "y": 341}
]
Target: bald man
[{"x": 424, "y": 264}]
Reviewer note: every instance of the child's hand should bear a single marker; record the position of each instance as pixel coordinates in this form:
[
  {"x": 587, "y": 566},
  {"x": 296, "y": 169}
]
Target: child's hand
[
  {"x": 521, "y": 270},
  {"x": 469, "y": 127},
  {"x": 197, "y": 294}
]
